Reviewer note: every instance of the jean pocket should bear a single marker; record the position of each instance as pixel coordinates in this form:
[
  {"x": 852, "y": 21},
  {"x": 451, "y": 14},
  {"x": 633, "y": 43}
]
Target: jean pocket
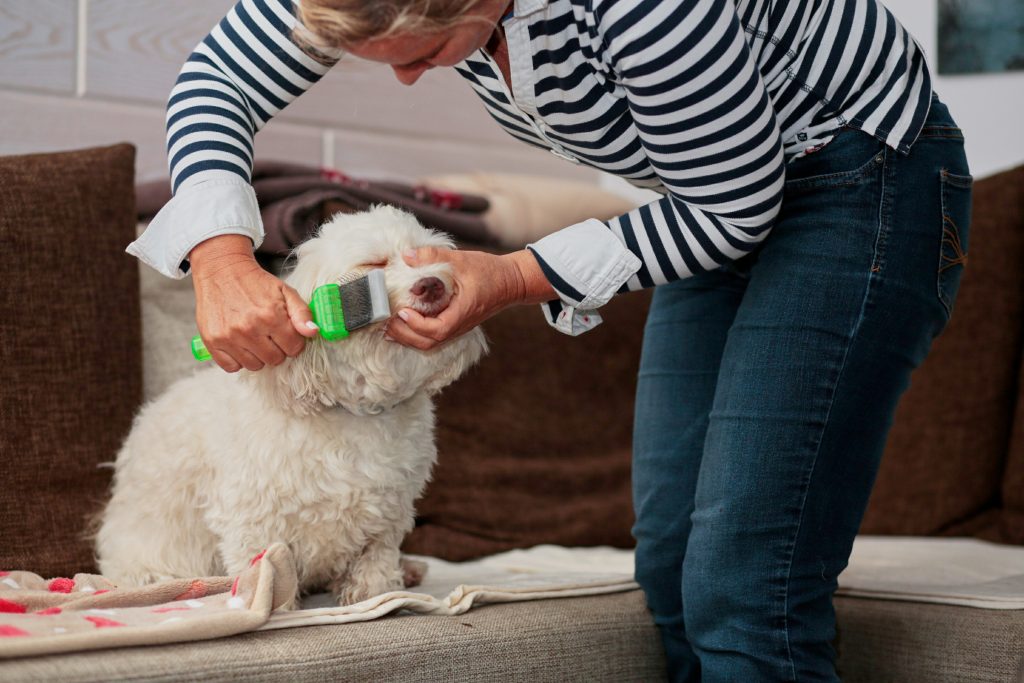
[
  {"x": 956, "y": 221},
  {"x": 847, "y": 160}
]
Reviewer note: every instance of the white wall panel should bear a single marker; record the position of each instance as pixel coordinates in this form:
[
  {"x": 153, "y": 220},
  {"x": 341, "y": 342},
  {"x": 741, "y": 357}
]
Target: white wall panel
[
  {"x": 37, "y": 44},
  {"x": 136, "y": 47},
  {"x": 392, "y": 156},
  {"x": 37, "y": 123}
]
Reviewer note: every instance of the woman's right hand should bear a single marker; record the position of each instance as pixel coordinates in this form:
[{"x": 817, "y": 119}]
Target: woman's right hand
[{"x": 247, "y": 317}]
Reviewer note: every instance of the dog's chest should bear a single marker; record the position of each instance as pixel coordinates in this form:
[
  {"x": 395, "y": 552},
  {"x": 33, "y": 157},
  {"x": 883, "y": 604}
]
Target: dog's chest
[{"x": 334, "y": 482}]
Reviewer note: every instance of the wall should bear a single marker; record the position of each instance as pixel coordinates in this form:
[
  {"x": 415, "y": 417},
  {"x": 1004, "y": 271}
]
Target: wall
[
  {"x": 76, "y": 73},
  {"x": 988, "y": 107}
]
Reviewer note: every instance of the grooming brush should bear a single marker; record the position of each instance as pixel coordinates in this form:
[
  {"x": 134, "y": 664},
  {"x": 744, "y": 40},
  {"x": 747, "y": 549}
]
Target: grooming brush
[{"x": 338, "y": 308}]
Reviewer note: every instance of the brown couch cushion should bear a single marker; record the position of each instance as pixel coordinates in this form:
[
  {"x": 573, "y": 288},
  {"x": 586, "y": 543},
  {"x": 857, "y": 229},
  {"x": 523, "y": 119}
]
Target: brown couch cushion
[
  {"x": 532, "y": 450},
  {"x": 943, "y": 466},
  {"x": 1010, "y": 525},
  {"x": 71, "y": 348}
]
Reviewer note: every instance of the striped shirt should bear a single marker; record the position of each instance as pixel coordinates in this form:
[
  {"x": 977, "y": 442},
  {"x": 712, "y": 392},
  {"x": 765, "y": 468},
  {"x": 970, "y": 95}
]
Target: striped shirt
[{"x": 703, "y": 101}]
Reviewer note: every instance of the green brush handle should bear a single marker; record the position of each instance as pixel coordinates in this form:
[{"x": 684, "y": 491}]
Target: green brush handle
[{"x": 325, "y": 305}]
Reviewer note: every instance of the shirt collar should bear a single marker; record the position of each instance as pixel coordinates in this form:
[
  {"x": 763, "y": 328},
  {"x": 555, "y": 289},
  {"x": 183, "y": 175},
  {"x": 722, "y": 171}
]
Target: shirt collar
[{"x": 524, "y": 7}]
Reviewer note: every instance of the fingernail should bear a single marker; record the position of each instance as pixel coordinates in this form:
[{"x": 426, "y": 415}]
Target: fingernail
[
  {"x": 312, "y": 325},
  {"x": 404, "y": 315},
  {"x": 388, "y": 337},
  {"x": 409, "y": 254}
]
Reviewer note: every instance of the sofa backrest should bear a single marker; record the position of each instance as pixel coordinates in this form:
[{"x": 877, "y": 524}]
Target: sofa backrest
[{"x": 947, "y": 468}]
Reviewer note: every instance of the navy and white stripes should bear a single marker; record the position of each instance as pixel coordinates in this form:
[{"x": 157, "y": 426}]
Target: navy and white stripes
[
  {"x": 243, "y": 73},
  {"x": 700, "y": 100}
]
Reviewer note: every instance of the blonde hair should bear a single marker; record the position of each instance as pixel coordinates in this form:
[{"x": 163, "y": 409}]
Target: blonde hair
[{"x": 339, "y": 23}]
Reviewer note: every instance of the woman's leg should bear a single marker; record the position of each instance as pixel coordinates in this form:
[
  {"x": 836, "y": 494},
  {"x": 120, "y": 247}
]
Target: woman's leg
[
  {"x": 683, "y": 341},
  {"x": 842, "y": 304}
]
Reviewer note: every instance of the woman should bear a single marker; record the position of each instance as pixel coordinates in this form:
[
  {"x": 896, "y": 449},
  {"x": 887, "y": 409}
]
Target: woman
[{"x": 772, "y": 364}]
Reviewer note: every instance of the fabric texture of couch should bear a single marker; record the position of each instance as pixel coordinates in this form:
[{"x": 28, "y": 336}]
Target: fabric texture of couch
[{"x": 71, "y": 348}]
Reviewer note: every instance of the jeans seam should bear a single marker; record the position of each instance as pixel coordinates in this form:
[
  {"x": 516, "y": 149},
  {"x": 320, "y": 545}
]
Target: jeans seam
[
  {"x": 806, "y": 483},
  {"x": 883, "y": 211}
]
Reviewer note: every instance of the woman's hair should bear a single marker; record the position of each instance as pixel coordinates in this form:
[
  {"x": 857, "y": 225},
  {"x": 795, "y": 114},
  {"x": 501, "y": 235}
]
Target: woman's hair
[{"x": 338, "y": 23}]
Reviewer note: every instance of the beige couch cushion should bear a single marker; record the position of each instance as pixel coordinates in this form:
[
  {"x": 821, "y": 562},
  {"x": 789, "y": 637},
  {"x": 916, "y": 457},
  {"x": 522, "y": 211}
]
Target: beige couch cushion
[
  {"x": 602, "y": 638},
  {"x": 906, "y": 642}
]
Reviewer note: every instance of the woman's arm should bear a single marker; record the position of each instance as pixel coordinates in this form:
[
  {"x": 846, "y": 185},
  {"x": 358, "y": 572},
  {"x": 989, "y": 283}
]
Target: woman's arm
[
  {"x": 705, "y": 124},
  {"x": 243, "y": 73}
]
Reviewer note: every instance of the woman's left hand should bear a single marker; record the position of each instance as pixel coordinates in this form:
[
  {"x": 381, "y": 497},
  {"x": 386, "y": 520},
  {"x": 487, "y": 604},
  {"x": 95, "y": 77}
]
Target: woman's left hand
[{"x": 483, "y": 284}]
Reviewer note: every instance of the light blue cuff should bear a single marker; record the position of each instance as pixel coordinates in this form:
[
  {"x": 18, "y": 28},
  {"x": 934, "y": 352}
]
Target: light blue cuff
[
  {"x": 224, "y": 206},
  {"x": 592, "y": 265}
]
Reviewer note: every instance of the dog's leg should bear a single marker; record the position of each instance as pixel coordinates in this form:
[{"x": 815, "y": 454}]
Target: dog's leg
[
  {"x": 413, "y": 571},
  {"x": 377, "y": 570},
  {"x": 139, "y": 543}
]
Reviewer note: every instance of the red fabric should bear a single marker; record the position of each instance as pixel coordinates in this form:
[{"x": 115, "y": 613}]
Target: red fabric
[
  {"x": 11, "y": 607},
  {"x": 11, "y": 631},
  {"x": 61, "y": 585},
  {"x": 103, "y": 622},
  {"x": 196, "y": 589}
]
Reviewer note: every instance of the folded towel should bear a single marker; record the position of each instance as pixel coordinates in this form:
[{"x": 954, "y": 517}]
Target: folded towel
[
  {"x": 947, "y": 571},
  {"x": 88, "y": 612}
]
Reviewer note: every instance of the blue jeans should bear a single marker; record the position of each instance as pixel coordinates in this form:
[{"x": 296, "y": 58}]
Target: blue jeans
[{"x": 766, "y": 391}]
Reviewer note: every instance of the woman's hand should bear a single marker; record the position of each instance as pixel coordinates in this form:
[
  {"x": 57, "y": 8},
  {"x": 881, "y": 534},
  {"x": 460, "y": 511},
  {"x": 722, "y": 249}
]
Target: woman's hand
[
  {"x": 247, "y": 317},
  {"x": 483, "y": 285}
]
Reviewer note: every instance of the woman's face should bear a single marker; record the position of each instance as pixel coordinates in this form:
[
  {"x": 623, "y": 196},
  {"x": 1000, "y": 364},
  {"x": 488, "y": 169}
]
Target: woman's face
[{"x": 410, "y": 55}]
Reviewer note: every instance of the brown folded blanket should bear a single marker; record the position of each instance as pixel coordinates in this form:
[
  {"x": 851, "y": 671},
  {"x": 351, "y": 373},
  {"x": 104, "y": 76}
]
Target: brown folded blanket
[{"x": 295, "y": 199}]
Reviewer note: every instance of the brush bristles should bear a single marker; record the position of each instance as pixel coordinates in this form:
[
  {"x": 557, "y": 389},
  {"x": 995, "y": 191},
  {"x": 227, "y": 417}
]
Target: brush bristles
[{"x": 364, "y": 300}]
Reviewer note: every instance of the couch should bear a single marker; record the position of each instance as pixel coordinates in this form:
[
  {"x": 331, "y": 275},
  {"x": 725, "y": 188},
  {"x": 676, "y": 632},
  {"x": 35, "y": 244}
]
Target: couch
[{"x": 84, "y": 343}]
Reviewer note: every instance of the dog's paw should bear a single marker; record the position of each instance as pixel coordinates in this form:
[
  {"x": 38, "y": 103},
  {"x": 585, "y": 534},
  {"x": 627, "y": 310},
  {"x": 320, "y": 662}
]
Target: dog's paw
[
  {"x": 356, "y": 591},
  {"x": 291, "y": 605},
  {"x": 413, "y": 571}
]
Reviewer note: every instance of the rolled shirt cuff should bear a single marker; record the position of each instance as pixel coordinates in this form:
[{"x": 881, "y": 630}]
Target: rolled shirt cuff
[
  {"x": 198, "y": 212},
  {"x": 586, "y": 265}
]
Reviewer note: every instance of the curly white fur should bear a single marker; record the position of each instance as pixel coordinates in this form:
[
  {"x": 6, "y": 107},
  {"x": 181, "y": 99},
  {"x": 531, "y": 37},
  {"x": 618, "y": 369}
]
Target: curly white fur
[{"x": 327, "y": 452}]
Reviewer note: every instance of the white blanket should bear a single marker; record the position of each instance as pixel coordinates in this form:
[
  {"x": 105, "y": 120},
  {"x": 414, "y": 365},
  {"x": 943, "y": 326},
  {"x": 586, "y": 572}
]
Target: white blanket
[
  {"x": 450, "y": 588},
  {"x": 953, "y": 571},
  {"x": 949, "y": 571}
]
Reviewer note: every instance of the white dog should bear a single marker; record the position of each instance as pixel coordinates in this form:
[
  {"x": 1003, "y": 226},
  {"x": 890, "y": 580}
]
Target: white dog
[{"x": 326, "y": 452}]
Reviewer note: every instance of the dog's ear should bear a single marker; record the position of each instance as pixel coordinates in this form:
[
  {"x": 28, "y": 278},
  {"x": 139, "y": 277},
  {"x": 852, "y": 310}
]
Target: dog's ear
[
  {"x": 457, "y": 356},
  {"x": 300, "y": 384}
]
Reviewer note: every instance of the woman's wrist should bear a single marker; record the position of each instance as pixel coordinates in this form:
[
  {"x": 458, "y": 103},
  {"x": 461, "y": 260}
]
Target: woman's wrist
[
  {"x": 531, "y": 287},
  {"x": 220, "y": 251}
]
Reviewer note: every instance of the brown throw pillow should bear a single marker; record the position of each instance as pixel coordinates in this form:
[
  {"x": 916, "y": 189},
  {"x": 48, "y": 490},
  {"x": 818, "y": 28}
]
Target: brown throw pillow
[
  {"x": 943, "y": 466},
  {"x": 535, "y": 441},
  {"x": 71, "y": 348}
]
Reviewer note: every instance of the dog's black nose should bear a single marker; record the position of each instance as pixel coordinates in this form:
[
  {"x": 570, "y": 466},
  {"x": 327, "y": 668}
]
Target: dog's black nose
[{"x": 429, "y": 289}]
